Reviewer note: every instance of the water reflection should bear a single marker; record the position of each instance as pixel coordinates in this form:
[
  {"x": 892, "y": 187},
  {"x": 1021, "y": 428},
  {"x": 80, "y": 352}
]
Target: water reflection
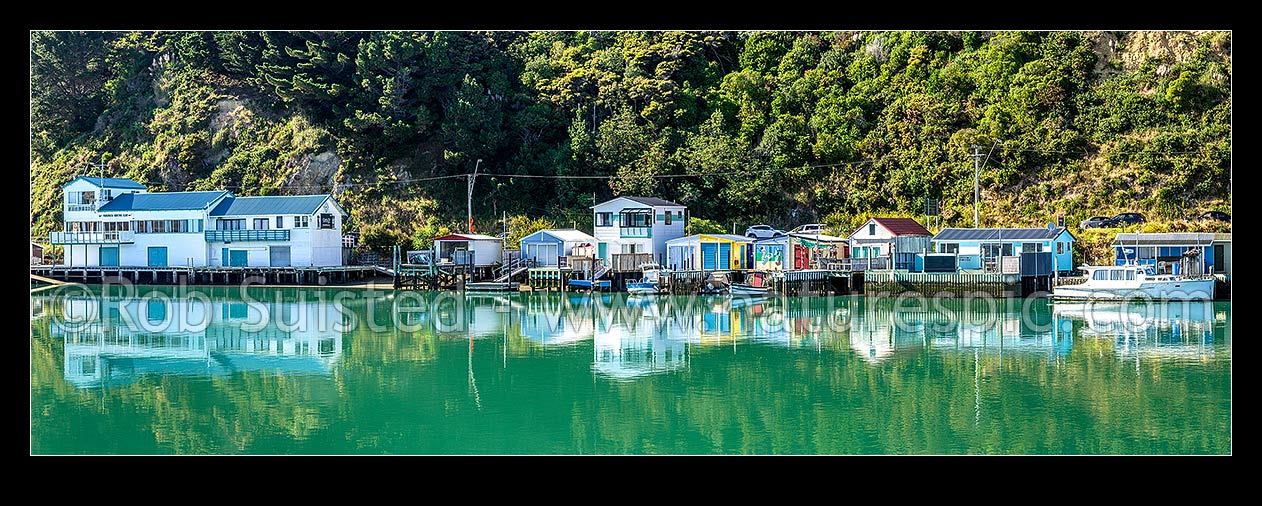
[
  {"x": 414, "y": 372},
  {"x": 1183, "y": 330},
  {"x": 111, "y": 339}
]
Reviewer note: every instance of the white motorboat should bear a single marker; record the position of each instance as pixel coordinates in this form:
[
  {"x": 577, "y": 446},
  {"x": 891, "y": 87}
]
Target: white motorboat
[
  {"x": 650, "y": 283},
  {"x": 1125, "y": 282}
]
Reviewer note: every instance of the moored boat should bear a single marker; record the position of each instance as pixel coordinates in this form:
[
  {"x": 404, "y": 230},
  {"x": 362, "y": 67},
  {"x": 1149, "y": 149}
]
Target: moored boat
[
  {"x": 1125, "y": 282},
  {"x": 650, "y": 283},
  {"x": 743, "y": 289}
]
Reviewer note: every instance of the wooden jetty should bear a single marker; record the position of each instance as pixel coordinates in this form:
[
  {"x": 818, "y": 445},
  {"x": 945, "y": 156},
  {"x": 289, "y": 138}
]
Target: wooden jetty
[
  {"x": 209, "y": 275},
  {"x": 958, "y": 283}
]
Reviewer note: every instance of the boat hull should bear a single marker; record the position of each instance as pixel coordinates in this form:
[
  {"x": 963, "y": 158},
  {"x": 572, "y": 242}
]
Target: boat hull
[
  {"x": 1199, "y": 289},
  {"x": 642, "y": 288},
  {"x": 738, "y": 289}
]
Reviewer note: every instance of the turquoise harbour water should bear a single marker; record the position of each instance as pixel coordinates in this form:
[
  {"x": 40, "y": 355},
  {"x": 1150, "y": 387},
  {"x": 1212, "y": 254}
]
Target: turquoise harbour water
[{"x": 198, "y": 370}]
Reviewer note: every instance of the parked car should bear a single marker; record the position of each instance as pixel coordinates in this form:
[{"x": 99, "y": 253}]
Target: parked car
[
  {"x": 1095, "y": 222},
  {"x": 1214, "y": 215},
  {"x": 763, "y": 232},
  {"x": 1125, "y": 219},
  {"x": 811, "y": 229}
]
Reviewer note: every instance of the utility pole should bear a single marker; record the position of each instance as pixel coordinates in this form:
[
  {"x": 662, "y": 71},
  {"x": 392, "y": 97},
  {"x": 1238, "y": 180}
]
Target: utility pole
[
  {"x": 470, "y": 199},
  {"x": 977, "y": 170}
]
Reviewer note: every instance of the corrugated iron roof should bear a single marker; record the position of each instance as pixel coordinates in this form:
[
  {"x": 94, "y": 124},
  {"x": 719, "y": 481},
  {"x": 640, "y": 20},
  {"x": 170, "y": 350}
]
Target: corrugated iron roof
[
  {"x": 466, "y": 237},
  {"x": 1167, "y": 239},
  {"x": 109, "y": 182},
  {"x": 569, "y": 235},
  {"x": 697, "y": 237},
  {"x": 996, "y": 234},
  {"x": 648, "y": 201},
  {"x": 162, "y": 201},
  {"x": 269, "y": 205},
  {"x": 902, "y": 226}
]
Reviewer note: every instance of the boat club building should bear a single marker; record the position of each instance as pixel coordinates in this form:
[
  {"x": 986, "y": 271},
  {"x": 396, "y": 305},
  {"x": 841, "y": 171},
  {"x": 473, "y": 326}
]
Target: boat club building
[{"x": 116, "y": 222}]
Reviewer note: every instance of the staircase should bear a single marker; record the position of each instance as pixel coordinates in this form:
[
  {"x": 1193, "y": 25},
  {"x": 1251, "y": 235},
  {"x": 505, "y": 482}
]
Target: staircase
[
  {"x": 601, "y": 271},
  {"x": 511, "y": 269}
]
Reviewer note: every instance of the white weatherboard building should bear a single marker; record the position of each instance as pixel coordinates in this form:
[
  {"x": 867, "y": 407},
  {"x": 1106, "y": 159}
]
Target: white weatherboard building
[
  {"x": 115, "y": 222},
  {"x": 636, "y": 225}
]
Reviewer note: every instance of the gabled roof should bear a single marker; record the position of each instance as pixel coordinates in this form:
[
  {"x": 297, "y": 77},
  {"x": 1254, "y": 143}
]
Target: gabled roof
[
  {"x": 901, "y": 226},
  {"x": 648, "y": 201},
  {"x": 996, "y": 234},
  {"x": 268, "y": 205},
  {"x": 466, "y": 237},
  {"x": 565, "y": 234},
  {"x": 109, "y": 182},
  {"x": 162, "y": 201}
]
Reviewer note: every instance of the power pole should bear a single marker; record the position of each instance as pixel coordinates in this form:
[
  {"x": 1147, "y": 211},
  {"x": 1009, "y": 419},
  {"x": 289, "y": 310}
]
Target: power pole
[
  {"x": 977, "y": 170},
  {"x": 470, "y": 199}
]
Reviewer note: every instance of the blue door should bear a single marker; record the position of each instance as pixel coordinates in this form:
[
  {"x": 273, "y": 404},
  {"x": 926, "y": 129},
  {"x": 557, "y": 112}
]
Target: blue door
[
  {"x": 157, "y": 256},
  {"x": 109, "y": 256},
  {"x": 709, "y": 252},
  {"x": 238, "y": 258},
  {"x": 725, "y": 256}
]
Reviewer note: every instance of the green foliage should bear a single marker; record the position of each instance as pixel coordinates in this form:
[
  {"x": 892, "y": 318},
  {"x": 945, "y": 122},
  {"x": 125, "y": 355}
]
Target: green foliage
[
  {"x": 704, "y": 226},
  {"x": 780, "y": 128},
  {"x": 522, "y": 226}
]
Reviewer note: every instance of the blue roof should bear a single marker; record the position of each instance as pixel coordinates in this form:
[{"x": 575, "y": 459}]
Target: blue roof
[
  {"x": 109, "y": 182},
  {"x": 996, "y": 234},
  {"x": 278, "y": 204},
  {"x": 162, "y": 201}
]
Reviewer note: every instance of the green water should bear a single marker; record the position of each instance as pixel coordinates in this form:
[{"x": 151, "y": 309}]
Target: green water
[{"x": 533, "y": 373}]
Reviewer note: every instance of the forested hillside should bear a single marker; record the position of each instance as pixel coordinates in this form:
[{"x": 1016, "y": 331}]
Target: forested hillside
[{"x": 781, "y": 128}]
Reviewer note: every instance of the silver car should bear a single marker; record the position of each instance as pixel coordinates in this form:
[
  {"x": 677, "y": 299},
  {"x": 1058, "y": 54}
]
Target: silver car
[
  {"x": 762, "y": 232},
  {"x": 811, "y": 229}
]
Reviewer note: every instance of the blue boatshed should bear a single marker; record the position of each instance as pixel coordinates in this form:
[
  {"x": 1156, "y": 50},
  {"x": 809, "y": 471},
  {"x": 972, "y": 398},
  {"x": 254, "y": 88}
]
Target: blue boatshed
[
  {"x": 1176, "y": 252},
  {"x": 547, "y": 247},
  {"x": 978, "y": 247}
]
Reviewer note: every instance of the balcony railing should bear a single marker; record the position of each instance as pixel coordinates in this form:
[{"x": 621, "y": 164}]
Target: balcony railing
[
  {"x": 246, "y": 235},
  {"x": 80, "y": 207},
  {"x": 90, "y": 237},
  {"x": 636, "y": 232}
]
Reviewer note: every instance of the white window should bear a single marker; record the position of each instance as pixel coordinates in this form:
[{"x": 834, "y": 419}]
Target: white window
[
  {"x": 1100, "y": 275},
  {"x": 261, "y": 223},
  {"x": 604, "y": 219},
  {"x": 948, "y": 247},
  {"x": 302, "y": 221}
]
